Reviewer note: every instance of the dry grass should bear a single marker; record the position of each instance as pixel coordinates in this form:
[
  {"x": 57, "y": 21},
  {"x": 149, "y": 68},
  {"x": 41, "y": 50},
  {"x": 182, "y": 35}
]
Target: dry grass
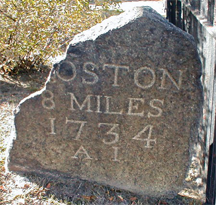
[{"x": 24, "y": 190}]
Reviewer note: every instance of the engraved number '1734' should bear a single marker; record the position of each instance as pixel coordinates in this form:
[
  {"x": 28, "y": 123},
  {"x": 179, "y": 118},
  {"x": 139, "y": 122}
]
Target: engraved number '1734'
[{"x": 113, "y": 132}]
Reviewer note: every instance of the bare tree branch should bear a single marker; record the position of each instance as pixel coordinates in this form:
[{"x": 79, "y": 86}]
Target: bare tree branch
[{"x": 7, "y": 15}]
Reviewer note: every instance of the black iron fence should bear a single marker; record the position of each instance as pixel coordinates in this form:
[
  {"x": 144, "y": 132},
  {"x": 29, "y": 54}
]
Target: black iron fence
[
  {"x": 175, "y": 11},
  {"x": 211, "y": 179}
]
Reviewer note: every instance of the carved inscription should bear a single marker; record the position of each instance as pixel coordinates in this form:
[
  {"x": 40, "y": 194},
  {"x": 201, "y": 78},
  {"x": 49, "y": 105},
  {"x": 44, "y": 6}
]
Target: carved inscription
[
  {"x": 115, "y": 159},
  {"x": 88, "y": 68},
  {"x": 93, "y": 103},
  {"x": 70, "y": 67},
  {"x": 148, "y": 140},
  {"x": 149, "y": 75},
  {"x": 152, "y": 78},
  {"x": 81, "y": 151},
  {"x": 110, "y": 136},
  {"x": 167, "y": 74},
  {"x": 47, "y": 101},
  {"x": 110, "y": 133},
  {"x": 86, "y": 103},
  {"x": 52, "y": 121},
  {"x": 117, "y": 69},
  {"x": 80, "y": 124}
]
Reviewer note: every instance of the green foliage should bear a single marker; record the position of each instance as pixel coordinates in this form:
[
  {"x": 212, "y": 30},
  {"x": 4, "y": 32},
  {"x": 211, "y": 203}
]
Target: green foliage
[{"x": 31, "y": 31}]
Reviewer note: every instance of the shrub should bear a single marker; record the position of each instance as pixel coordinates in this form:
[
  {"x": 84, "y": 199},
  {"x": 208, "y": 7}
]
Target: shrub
[{"x": 32, "y": 31}]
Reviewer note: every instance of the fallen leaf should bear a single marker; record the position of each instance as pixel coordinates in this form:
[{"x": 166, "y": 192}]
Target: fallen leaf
[
  {"x": 121, "y": 198},
  {"x": 111, "y": 198},
  {"x": 48, "y": 186},
  {"x": 162, "y": 202},
  {"x": 2, "y": 188},
  {"x": 26, "y": 186},
  {"x": 93, "y": 197},
  {"x": 133, "y": 199},
  {"x": 3, "y": 169},
  {"x": 89, "y": 198}
]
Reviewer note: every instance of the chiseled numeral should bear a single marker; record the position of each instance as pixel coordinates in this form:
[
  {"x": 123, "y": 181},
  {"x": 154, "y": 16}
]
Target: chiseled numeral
[
  {"x": 110, "y": 132},
  {"x": 115, "y": 159},
  {"x": 52, "y": 126},
  {"x": 47, "y": 101},
  {"x": 148, "y": 140},
  {"x": 82, "y": 123}
]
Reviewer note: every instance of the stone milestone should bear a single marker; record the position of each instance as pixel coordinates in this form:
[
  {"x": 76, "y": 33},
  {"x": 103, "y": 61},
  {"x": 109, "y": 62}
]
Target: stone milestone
[{"x": 122, "y": 109}]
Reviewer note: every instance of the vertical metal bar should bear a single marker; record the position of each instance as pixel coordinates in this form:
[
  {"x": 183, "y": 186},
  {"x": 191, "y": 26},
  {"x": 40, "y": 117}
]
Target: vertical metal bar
[
  {"x": 213, "y": 173},
  {"x": 211, "y": 7},
  {"x": 171, "y": 11},
  {"x": 168, "y": 10},
  {"x": 214, "y": 19},
  {"x": 209, "y": 187},
  {"x": 184, "y": 17},
  {"x": 211, "y": 178},
  {"x": 178, "y": 14}
]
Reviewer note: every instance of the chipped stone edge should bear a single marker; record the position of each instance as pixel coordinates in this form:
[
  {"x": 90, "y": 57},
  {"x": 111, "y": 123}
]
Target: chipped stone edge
[{"x": 13, "y": 134}]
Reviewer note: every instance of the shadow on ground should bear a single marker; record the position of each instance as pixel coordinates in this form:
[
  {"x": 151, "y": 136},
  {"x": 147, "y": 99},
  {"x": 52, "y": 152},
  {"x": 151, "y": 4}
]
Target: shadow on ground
[
  {"x": 15, "y": 88},
  {"x": 77, "y": 191}
]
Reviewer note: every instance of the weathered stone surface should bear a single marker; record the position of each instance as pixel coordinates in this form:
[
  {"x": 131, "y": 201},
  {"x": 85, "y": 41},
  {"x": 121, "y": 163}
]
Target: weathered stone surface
[{"x": 122, "y": 108}]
